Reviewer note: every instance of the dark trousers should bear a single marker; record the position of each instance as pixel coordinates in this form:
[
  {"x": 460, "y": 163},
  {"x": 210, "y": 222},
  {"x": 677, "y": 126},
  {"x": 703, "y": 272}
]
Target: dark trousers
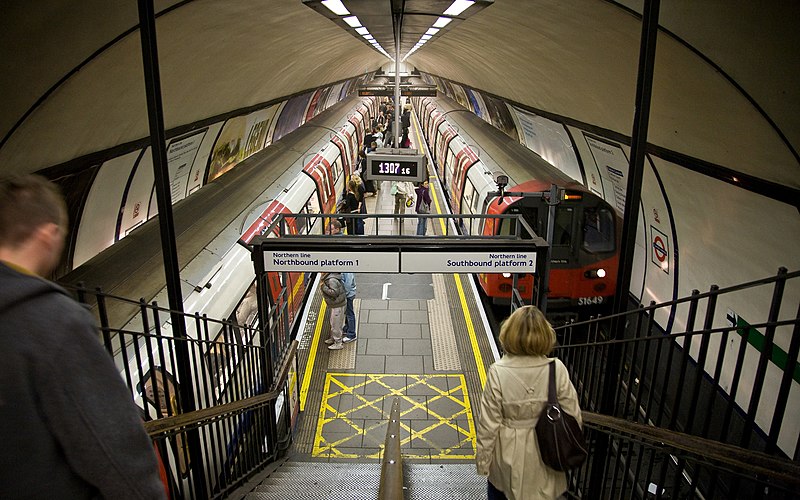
[{"x": 493, "y": 493}]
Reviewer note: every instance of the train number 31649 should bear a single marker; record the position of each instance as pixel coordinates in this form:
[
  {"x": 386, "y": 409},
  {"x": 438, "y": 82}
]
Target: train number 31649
[{"x": 588, "y": 301}]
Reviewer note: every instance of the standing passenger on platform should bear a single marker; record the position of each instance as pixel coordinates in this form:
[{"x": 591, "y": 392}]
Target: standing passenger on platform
[
  {"x": 349, "y": 335},
  {"x": 369, "y": 185},
  {"x": 405, "y": 119},
  {"x": 352, "y": 205},
  {"x": 423, "y": 206},
  {"x": 331, "y": 286},
  {"x": 512, "y": 402},
  {"x": 68, "y": 424},
  {"x": 401, "y": 190}
]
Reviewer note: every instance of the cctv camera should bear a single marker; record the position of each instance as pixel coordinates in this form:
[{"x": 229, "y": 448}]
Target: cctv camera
[{"x": 502, "y": 181}]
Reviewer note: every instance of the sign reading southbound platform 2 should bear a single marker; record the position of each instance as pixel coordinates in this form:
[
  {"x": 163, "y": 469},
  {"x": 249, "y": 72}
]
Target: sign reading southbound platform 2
[
  {"x": 396, "y": 167},
  {"x": 396, "y": 262}
]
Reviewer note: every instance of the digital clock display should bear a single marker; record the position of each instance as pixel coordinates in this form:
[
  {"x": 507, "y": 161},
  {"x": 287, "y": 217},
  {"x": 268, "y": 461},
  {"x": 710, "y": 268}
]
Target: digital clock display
[
  {"x": 404, "y": 168},
  {"x": 396, "y": 167}
]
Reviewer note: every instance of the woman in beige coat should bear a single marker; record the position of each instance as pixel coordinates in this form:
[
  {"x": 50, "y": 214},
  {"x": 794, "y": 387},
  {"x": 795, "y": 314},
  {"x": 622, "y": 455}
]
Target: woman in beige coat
[{"x": 513, "y": 399}]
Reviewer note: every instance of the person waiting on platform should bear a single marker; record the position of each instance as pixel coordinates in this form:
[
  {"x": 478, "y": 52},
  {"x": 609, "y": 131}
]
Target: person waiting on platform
[
  {"x": 68, "y": 423},
  {"x": 349, "y": 334},
  {"x": 401, "y": 190},
  {"x": 331, "y": 286},
  {"x": 512, "y": 402},
  {"x": 423, "y": 205},
  {"x": 353, "y": 201}
]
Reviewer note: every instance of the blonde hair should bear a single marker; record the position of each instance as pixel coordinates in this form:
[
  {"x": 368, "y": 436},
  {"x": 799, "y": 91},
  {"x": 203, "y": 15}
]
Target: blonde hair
[
  {"x": 353, "y": 186},
  {"x": 527, "y": 332}
]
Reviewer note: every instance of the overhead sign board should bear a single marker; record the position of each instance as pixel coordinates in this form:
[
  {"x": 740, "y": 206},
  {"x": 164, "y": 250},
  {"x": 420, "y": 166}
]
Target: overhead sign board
[
  {"x": 336, "y": 262},
  {"x": 468, "y": 262},
  {"x": 400, "y": 262},
  {"x": 396, "y": 167},
  {"x": 388, "y": 91}
]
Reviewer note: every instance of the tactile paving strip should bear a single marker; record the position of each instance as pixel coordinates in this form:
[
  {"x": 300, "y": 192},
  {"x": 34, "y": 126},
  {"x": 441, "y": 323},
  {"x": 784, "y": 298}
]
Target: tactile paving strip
[
  {"x": 345, "y": 359},
  {"x": 443, "y": 339}
]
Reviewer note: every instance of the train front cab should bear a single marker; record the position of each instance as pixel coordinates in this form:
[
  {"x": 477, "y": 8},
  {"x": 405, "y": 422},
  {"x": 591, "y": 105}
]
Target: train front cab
[{"x": 584, "y": 257}]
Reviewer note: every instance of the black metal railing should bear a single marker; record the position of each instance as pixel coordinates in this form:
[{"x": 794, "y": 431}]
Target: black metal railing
[
  {"x": 242, "y": 404},
  {"x": 724, "y": 383}
]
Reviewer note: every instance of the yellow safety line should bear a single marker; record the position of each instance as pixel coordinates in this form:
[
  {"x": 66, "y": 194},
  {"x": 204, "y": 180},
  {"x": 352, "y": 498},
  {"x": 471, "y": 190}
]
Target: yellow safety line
[
  {"x": 472, "y": 337},
  {"x": 442, "y": 222},
  {"x": 312, "y": 355}
]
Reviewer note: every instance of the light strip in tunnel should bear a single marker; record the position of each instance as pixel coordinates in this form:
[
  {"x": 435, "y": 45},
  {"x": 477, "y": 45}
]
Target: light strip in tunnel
[
  {"x": 442, "y": 22},
  {"x": 457, "y": 7},
  {"x": 338, "y": 8},
  {"x": 352, "y": 21}
]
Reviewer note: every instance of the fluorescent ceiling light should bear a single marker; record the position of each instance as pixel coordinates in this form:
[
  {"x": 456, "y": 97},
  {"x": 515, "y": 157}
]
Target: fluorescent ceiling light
[
  {"x": 368, "y": 37},
  {"x": 338, "y": 8},
  {"x": 442, "y": 22},
  {"x": 352, "y": 21},
  {"x": 431, "y": 31},
  {"x": 362, "y": 31},
  {"x": 456, "y": 8},
  {"x": 425, "y": 37}
]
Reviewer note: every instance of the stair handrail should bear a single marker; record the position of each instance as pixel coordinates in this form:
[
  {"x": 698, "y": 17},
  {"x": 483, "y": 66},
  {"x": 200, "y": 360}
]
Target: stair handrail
[
  {"x": 391, "y": 486},
  {"x": 189, "y": 420}
]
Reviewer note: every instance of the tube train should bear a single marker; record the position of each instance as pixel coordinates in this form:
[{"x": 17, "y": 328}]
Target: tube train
[
  {"x": 321, "y": 155},
  {"x": 587, "y": 230}
]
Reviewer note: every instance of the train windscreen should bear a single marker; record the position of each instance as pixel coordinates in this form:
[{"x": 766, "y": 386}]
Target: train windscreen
[{"x": 598, "y": 230}]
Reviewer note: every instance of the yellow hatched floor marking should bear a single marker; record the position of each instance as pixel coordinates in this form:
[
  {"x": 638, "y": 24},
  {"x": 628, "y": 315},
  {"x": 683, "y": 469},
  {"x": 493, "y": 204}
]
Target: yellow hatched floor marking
[
  {"x": 473, "y": 339},
  {"x": 336, "y": 385},
  {"x": 312, "y": 356}
]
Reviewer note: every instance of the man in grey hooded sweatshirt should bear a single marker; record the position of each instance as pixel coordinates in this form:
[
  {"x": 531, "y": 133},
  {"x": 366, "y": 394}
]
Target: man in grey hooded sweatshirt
[{"x": 68, "y": 425}]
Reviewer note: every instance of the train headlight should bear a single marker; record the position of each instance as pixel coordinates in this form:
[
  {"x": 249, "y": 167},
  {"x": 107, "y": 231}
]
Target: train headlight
[
  {"x": 506, "y": 275},
  {"x": 595, "y": 273}
]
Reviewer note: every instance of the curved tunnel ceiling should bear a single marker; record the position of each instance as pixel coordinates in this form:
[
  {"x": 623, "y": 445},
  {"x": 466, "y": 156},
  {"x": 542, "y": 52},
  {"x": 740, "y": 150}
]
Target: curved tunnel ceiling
[{"x": 571, "y": 58}]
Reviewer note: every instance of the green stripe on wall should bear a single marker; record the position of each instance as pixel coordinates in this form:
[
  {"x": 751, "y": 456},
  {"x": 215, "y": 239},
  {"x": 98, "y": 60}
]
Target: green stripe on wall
[{"x": 756, "y": 339}]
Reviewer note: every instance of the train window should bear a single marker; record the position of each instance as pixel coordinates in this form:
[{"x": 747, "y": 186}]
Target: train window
[
  {"x": 337, "y": 168},
  {"x": 312, "y": 207},
  {"x": 302, "y": 222},
  {"x": 466, "y": 206},
  {"x": 563, "y": 226},
  {"x": 598, "y": 230},
  {"x": 509, "y": 227}
]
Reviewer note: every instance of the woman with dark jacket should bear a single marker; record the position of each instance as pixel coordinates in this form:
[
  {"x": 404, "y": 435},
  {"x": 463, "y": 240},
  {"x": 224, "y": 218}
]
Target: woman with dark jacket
[
  {"x": 352, "y": 205},
  {"x": 423, "y": 205}
]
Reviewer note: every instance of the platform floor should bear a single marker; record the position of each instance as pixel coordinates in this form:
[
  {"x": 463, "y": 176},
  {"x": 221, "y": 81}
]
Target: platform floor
[{"x": 421, "y": 338}]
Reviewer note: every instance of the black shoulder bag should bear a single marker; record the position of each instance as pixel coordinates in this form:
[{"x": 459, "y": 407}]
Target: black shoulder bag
[{"x": 561, "y": 440}]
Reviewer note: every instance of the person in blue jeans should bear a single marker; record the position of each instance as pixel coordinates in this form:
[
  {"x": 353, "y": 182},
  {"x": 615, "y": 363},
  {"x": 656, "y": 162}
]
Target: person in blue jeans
[{"x": 349, "y": 334}]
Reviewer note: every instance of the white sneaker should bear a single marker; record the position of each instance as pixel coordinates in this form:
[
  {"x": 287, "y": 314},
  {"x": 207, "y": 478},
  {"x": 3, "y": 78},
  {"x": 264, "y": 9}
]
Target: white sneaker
[
  {"x": 329, "y": 341},
  {"x": 347, "y": 340},
  {"x": 336, "y": 346}
]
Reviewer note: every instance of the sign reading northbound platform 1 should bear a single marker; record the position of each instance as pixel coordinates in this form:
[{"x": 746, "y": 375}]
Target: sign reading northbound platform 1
[{"x": 395, "y": 262}]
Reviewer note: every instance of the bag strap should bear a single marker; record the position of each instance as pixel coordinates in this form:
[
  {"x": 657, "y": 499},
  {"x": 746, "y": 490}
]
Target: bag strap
[{"x": 552, "y": 398}]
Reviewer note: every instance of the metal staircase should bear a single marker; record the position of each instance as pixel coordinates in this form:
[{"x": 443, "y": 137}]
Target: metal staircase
[{"x": 359, "y": 481}]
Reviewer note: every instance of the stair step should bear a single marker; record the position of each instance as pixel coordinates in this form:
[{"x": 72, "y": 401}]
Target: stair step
[
  {"x": 320, "y": 481},
  {"x": 360, "y": 481},
  {"x": 425, "y": 481}
]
